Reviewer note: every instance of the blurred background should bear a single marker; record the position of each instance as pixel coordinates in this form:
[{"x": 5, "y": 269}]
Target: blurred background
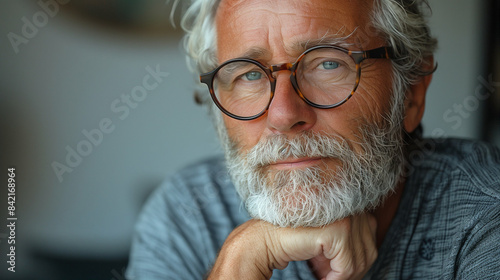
[{"x": 97, "y": 108}]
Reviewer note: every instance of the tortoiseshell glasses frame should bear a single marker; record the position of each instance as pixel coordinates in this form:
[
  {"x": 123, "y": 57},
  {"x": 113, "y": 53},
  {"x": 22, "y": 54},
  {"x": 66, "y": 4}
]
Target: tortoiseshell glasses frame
[{"x": 356, "y": 56}]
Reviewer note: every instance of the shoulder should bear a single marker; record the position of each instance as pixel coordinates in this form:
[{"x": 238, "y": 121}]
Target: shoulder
[
  {"x": 449, "y": 212},
  {"x": 207, "y": 167},
  {"x": 472, "y": 165},
  {"x": 455, "y": 190},
  {"x": 454, "y": 151},
  {"x": 191, "y": 191},
  {"x": 184, "y": 222},
  {"x": 207, "y": 174},
  {"x": 171, "y": 201}
]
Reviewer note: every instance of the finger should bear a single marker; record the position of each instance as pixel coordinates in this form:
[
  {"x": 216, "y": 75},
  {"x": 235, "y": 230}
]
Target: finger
[
  {"x": 372, "y": 224},
  {"x": 296, "y": 244},
  {"x": 320, "y": 266},
  {"x": 361, "y": 250},
  {"x": 364, "y": 240},
  {"x": 369, "y": 231},
  {"x": 342, "y": 266},
  {"x": 342, "y": 256}
]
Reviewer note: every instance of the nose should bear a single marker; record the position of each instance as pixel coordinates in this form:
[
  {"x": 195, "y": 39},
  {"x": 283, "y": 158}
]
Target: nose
[{"x": 288, "y": 112}]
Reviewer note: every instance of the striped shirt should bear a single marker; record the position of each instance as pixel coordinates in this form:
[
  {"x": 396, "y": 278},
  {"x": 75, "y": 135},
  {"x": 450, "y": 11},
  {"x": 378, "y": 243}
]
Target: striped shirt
[{"x": 447, "y": 225}]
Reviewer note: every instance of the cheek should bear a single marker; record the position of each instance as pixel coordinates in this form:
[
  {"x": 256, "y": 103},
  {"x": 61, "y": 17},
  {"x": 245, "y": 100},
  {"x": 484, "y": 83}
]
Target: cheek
[
  {"x": 369, "y": 105},
  {"x": 245, "y": 134},
  {"x": 343, "y": 121},
  {"x": 373, "y": 95}
]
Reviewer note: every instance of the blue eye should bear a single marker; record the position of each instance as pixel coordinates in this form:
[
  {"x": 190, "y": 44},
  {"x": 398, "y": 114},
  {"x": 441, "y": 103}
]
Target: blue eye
[
  {"x": 253, "y": 75},
  {"x": 330, "y": 65}
]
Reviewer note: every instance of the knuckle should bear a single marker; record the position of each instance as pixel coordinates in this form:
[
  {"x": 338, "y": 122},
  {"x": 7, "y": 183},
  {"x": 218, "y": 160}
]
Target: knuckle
[
  {"x": 349, "y": 270},
  {"x": 372, "y": 256},
  {"x": 372, "y": 222},
  {"x": 346, "y": 223}
]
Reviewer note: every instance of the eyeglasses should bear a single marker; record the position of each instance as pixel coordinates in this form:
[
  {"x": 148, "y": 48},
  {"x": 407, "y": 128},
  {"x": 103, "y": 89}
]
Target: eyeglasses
[{"x": 323, "y": 76}]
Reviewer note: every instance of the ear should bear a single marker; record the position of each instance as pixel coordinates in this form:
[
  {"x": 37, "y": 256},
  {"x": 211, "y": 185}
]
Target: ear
[{"x": 415, "y": 101}]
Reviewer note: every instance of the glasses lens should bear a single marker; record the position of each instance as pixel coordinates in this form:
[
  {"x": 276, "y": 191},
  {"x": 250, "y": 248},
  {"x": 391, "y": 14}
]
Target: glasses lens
[
  {"x": 242, "y": 88},
  {"x": 326, "y": 76}
]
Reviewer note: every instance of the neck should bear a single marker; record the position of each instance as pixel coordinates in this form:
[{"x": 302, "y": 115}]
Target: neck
[{"x": 385, "y": 213}]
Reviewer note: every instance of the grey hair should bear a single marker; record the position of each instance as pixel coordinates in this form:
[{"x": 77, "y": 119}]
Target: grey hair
[
  {"x": 404, "y": 26},
  {"x": 199, "y": 42},
  {"x": 402, "y": 23}
]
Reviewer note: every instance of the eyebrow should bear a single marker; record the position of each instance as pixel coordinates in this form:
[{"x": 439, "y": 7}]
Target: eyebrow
[
  {"x": 302, "y": 46},
  {"x": 257, "y": 53}
]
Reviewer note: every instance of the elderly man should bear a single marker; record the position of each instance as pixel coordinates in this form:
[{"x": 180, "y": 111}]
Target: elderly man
[{"x": 318, "y": 106}]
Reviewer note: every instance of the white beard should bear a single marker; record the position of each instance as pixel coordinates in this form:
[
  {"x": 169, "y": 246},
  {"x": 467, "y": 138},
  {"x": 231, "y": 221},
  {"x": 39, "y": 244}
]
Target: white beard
[{"x": 317, "y": 196}]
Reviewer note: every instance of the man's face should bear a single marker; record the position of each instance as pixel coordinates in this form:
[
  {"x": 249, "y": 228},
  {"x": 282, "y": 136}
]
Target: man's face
[
  {"x": 276, "y": 27},
  {"x": 276, "y": 32}
]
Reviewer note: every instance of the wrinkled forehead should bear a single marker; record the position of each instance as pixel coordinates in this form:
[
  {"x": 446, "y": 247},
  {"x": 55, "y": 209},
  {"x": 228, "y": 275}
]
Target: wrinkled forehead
[{"x": 292, "y": 24}]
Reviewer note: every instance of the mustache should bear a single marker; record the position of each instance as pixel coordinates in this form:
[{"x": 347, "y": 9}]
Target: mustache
[{"x": 307, "y": 144}]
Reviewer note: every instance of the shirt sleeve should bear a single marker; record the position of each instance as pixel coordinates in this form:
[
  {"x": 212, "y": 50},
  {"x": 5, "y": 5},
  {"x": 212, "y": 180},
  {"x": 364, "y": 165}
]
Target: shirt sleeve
[
  {"x": 166, "y": 240},
  {"x": 479, "y": 253},
  {"x": 478, "y": 258}
]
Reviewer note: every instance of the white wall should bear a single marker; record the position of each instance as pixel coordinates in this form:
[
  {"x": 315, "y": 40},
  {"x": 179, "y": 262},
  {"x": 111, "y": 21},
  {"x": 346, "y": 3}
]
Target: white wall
[
  {"x": 65, "y": 79},
  {"x": 452, "y": 107}
]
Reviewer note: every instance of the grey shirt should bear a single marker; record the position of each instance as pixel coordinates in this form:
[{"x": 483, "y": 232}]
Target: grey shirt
[{"x": 447, "y": 225}]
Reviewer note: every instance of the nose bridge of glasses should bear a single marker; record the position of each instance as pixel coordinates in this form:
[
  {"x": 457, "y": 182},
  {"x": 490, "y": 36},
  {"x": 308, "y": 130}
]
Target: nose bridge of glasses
[{"x": 280, "y": 67}]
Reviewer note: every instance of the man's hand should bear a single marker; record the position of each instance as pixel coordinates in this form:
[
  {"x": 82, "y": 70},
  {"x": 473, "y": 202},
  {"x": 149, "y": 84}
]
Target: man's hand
[{"x": 345, "y": 249}]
